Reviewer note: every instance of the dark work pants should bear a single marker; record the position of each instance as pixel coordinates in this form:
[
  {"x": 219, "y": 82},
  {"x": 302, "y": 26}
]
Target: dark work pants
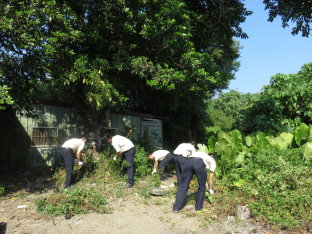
[
  {"x": 192, "y": 166},
  {"x": 129, "y": 157},
  {"x": 68, "y": 157},
  {"x": 178, "y": 161},
  {"x": 165, "y": 162}
]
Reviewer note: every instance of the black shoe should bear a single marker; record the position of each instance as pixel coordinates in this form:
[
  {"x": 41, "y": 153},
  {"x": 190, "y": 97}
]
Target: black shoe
[{"x": 127, "y": 185}]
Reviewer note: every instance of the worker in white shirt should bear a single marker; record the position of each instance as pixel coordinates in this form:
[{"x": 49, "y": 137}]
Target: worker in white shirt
[
  {"x": 123, "y": 146},
  {"x": 185, "y": 149},
  {"x": 70, "y": 149},
  {"x": 159, "y": 155},
  {"x": 196, "y": 164},
  {"x": 211, "y": 165},
  {"x": 182, "y": 152}
]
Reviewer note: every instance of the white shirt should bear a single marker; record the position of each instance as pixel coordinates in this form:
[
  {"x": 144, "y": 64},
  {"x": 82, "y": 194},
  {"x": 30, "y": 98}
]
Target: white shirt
[
  {"x": 75, "y": 144},
  {"x": 160, "y": 154},
  {"x": 121, "y": 143},
  {"x": 208, "y": 160},
  {"x": 184, "y": 149}
]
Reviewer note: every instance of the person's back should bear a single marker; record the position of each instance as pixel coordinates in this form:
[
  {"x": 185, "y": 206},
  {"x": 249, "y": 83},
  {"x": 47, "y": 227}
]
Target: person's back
[
  {"x": 75, "y": 144},
  {"x": 121, "y": 143},
  {"x": 184, "y": 149},
  {"x": 208, "y": 160}
]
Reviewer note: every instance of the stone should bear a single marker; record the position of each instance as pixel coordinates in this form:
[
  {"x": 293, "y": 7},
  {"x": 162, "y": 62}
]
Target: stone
[
  {"x": 157, "y": 191},
  {"x": 242, "y": 212}
]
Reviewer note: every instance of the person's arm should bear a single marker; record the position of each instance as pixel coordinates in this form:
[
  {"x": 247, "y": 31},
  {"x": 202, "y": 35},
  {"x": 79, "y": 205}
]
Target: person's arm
[
  {"x": 78, "y": 154},
  {"x": 210, "y": 181},
  {"x": 79, "y": 151},
  {"x": 117, "y": 155},
  {"x": 155, "y": 166},
  {"x": 211, "y": 175}
]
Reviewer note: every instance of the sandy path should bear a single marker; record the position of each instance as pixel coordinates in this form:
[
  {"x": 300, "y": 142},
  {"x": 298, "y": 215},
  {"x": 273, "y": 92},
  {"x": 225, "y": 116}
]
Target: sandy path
[{"x": 130, "y": 215}]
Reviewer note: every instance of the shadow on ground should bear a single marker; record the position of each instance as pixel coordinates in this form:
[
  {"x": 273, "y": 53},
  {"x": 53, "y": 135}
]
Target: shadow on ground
[{"x": 32, "y": 180}]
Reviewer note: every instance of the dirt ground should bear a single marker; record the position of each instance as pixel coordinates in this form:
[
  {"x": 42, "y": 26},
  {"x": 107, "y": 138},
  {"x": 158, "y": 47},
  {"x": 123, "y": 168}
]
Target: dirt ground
[{"x": 130, "y": 214}]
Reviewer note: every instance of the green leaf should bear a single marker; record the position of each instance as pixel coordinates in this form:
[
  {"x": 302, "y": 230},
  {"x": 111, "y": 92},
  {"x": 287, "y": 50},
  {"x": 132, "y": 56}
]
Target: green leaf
[
  {"x": 239, "y": 160},
  {"x": 211, "y": 144},
  {"x": 236, "y": 140},
  {"x": 283, "y": 141},
  {"x": 301, "y": 133},
  {"x": 202, "y": 148},
  {"x": 307, "y": 150},
  {"x": 249, "y": 141}
]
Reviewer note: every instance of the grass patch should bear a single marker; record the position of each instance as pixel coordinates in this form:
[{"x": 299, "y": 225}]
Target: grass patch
[{"x": 75, "y": 200}]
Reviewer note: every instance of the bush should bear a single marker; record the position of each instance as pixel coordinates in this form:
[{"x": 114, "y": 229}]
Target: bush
[
  {"x": 94, "y": 182},
  {"x": 1, "y": 190},
  {"x": 279, "y": 185},
  {"x": 75, "y": 200}
]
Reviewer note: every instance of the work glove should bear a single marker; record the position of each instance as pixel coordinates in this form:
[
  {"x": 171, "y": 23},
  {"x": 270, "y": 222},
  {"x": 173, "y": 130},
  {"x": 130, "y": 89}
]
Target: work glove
[
  {"x": 80, "y": 163},
  {"x": 211, "y": 192},
  {"x": 114, "y": 158},
  {"x": 154, "y": 171}
]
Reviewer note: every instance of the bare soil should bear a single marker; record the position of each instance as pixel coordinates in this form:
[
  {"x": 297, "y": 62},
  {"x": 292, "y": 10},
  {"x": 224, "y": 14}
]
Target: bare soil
[{"x": 130, "y": 214}]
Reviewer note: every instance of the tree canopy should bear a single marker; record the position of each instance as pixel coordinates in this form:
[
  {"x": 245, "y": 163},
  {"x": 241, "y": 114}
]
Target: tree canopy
[
  {"x": 164, "y": 57},
  {"x": 298, "y": 12}
]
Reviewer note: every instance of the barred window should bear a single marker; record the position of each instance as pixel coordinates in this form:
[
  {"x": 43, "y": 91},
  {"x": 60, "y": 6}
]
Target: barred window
[{"x": 44, "y": 136}]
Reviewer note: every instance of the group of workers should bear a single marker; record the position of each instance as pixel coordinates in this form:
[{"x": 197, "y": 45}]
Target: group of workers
[{"x": 186, "y": 160}]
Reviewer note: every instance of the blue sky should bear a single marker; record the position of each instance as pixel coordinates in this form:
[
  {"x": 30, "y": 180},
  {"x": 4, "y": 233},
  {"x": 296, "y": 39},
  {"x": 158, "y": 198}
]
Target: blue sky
[{"x": 269, "y": 50}]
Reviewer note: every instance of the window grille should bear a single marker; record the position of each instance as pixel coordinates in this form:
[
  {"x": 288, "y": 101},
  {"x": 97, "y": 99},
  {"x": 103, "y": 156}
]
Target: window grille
[{"x": 44, "y": 136}]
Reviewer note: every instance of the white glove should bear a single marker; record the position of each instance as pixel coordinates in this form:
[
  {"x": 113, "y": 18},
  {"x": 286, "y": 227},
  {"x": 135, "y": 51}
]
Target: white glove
[
  {"x": 154, "y": 171},
  {"x": 211, "y": 192},
  {"x": 80, "y": 163},
  {"x": 114, "y": 158}
]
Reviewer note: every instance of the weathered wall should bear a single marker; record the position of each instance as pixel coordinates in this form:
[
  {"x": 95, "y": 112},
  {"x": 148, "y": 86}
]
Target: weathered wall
[{"x": 16, "y": 131}]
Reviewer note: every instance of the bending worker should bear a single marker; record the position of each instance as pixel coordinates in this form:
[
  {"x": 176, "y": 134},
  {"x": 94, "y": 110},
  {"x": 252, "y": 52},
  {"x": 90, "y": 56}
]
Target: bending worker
[
  {"x": 182, "y": 152},
  {"x": 123, "y": 146},
  {"x": 197, "y": 164},
  {"x": 69, "y": 149},
  {"x": 162, "y": 159}
]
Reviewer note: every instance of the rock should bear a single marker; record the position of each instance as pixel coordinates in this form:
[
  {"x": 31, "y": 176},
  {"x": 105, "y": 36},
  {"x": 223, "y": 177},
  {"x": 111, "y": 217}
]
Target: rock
[
  {"x": 230, "y": 219},
  {"x": 157, "y": 191},
  {"x": 67, "y": 216},
  {"x": 189, "y": 207},
  {"x": 242, "y": 212}
]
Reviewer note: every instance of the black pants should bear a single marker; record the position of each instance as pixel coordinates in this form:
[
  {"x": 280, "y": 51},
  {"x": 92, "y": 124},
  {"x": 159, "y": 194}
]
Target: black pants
[
  {"x": 129, "y": 157},
  {"x": 178, "y": 161},
  {"x": 192, "y": 166},
  {"x": 68, "y": 157}
]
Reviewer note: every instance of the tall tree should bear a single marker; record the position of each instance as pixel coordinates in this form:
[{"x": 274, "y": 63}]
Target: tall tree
[
  {"x": 298, "y": 12},
  {"x": 164, "y": 57},
  {"x": 287, "y": 100}
]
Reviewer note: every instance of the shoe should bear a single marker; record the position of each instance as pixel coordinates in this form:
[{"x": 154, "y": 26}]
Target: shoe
[
  {"x": 67, "y": 186},
  {"x": 127, "y": 185}
]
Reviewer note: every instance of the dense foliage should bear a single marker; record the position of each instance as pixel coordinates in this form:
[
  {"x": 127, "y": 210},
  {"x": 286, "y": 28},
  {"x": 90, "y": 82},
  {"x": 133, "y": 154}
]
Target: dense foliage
[
  {"x": 298, "y": 12},
  {"x": 282, "y": 105},
  {"x": 5, "y": 98},
  {"x": 272, "y": 172},
  {"x": 228, "y": 110},
  {"x": 135, "y": 55},
  {"x": 286, "y": 101}
]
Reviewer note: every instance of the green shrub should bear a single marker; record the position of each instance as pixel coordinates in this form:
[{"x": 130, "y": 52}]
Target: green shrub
[
  {"x": 1, "y": 190},
  {"x": 75, "y": 200}
]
